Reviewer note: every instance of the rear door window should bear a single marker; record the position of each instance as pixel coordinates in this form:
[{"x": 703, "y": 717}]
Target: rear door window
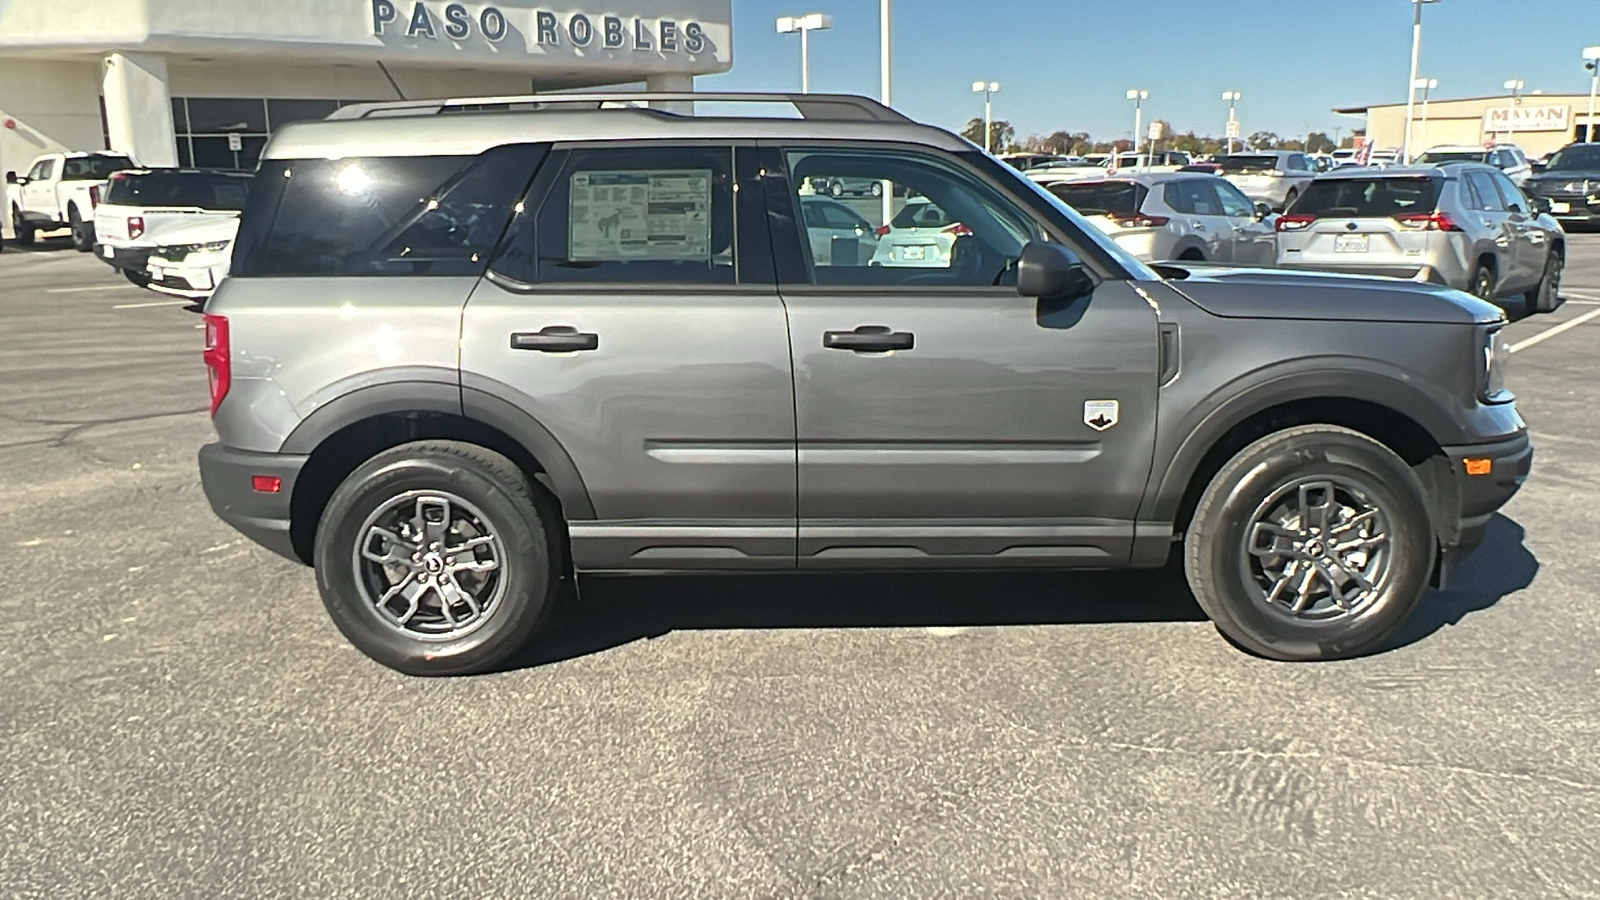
[
  {"x": 1368, "y": 198},
  {"x": 1192, "y": 197},
  {"x": 1488, "y": 195}
]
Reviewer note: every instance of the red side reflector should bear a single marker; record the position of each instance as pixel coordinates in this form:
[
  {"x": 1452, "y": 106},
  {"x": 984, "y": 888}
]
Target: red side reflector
[
  {"x": 266, "y": 484},
  {"x": 1479, "y": 466}
]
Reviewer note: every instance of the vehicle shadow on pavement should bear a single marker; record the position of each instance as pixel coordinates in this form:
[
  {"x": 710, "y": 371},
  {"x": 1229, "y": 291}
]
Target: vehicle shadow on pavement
[
  {"x": 1502, "y": 565},
  {"x": 619, "y": 610}
]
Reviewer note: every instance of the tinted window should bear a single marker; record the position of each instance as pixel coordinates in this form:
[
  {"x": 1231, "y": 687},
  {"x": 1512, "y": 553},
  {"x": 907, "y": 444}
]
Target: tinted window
[
  {"x": 1433, "y": 157},
  {"x": 1101, "y": 197},
  {"x": 953, "y": 231},
  {"x": 1586, "y": 157},
  {"x": 1488, "y": 196},
  {"x": 646, "y": 215},
  {"x": 205, "y": 190},
  {"x": 1367, "y": 197},
  {"x": 429, "y": 215},
  {"x": 1298, "y": 162},
  {"x": 1253, "y": 164},
  {"x": 209, "y": 115},
  {"x": 93, "y": 168},
  {"x": 1192, "y": 198}
]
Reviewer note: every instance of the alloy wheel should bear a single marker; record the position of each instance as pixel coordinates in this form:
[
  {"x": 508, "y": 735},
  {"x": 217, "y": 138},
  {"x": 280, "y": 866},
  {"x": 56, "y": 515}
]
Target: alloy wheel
[
  {"x": 1318, "y": 549},
  {"x": 430, "y": 566}
]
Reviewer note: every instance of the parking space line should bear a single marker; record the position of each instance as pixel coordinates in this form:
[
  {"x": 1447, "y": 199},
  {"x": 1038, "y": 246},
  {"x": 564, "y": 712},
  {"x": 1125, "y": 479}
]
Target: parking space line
[
  {"x": 1547, "y": 335},
  {"x": 95, "y": 287},
  {"x": 153, "y": 303}
]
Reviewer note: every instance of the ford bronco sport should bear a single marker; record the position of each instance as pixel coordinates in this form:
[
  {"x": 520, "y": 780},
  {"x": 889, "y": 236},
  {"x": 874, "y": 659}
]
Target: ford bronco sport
[{"x": 470, "y": 348}]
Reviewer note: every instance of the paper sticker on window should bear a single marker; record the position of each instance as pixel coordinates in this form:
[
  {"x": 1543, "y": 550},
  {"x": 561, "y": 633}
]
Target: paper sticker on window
[{"x": 650, "y": 214}]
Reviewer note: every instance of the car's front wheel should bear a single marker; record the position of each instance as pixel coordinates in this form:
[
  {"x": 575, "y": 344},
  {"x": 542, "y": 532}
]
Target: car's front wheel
[
  {"x": 1481, "y": 284},
  {"x": 1311, "y": 543},
  {"x": 1547, "y": 295},
  {"x": 437, "y": 558},
  {"x": 25, "y": 232}
]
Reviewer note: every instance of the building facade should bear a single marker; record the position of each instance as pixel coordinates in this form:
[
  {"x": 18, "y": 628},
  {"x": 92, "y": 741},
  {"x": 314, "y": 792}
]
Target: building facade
[
  {"x": 1539, "y": 123},
  {"x": 205, "y": 82}
]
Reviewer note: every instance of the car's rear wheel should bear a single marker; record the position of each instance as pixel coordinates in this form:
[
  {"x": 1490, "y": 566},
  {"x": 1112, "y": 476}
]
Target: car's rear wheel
[
  {"x": 1547, "y": 295},
  {"x": 1481, "y": 284},
  {"x": 1311, "y": 543},
  {"x": 436, "y": 558},
  {"x": 836, "y": 190},
  {"x": 82, "y": 232}
]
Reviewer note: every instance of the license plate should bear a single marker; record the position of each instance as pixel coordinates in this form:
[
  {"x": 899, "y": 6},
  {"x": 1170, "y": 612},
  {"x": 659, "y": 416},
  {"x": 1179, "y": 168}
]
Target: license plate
[
  {"x": 1556, "y": 206},
  {"x": 108, "y": 252},
  {"x": 1349, "y": 243},
  {"x": 917, "y": 252},
  {"x": 157, "y": 273}
]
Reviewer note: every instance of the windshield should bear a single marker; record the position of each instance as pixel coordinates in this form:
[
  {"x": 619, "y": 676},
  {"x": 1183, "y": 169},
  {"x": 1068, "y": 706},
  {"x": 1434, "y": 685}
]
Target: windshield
[
  {"x": 94, "y": 168},
  {"x": 205, "y": 190},
  {"x": 1367, "y": 198},
  {"x": 1442, "y": 156},
  {"x": 1248, "y": 165},
  {"x": 1101, "y": 197},
  {"x": 1586, "y": 157}
]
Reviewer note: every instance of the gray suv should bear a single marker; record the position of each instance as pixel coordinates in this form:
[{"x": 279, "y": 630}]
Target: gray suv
[{"x": 469, "y": 351}]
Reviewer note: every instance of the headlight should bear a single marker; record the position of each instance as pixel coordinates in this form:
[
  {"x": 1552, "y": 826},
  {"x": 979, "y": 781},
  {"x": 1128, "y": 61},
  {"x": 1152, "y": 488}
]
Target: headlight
[
  {"x": 215, "y": 245},
  {"x": 1496, "y": 356}
]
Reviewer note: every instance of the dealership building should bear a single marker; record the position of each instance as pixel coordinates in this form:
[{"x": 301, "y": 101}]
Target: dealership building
[
  {"x": 205, "y": 82},
  {"x": 1539, "y": 123}
]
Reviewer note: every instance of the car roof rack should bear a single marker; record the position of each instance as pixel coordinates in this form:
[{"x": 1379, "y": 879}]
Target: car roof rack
[{"x": 815, "y": 107}]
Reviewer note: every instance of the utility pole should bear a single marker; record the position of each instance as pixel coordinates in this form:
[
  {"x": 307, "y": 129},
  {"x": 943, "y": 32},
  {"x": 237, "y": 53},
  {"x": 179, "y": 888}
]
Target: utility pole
[
  {"x": 988, "y": 89},
  {"x": 1411, "y": 90}
]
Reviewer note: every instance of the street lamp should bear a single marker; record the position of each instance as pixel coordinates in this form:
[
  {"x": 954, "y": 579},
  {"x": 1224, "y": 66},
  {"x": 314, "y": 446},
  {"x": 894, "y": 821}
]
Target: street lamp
[
  {"x": 1233, "y": 124},
  {"x": 1138, "y": 97},
  {"x": 1427, "y": 87},
  {"x": 1515, "y": 87},
  {"x": 988, "y": 89},
  {"x": 805, "y": 25},
  {"x": 1591, "y": 56},
  {"x": 1411, "y": 93}
]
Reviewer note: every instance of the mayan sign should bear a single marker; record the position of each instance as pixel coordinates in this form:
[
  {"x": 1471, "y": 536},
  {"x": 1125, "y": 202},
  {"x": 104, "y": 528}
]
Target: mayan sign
[{"x": 1506, "y": 119}]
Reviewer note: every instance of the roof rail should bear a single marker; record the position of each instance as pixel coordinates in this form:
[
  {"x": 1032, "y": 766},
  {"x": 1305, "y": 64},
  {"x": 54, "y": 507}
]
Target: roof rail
[{"x": 821, "y": 107}]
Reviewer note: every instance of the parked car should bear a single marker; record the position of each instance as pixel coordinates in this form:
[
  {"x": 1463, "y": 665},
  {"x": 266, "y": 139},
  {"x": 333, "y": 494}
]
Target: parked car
[
  {"x": 1508, "y": 158},
  {"x": 1345, "y": 157},
  {"x": 456, "y": 360},
  {"x": 1176, "y": 216},
  {"x": 921, "y": 234},
  {"x": 193, "y": 258},
  {"x": 141, "y": 205},
  {"x": 1569, "y": 186},
  {"x": 61, "y": 190},
  {"x": 1274, "y": 177},
  {"x": 838, "y": 234},
  {"x": 837, "y": 187},
  {"x": 1151, "y": 161},
  {"x": 1464, "y": 225}
]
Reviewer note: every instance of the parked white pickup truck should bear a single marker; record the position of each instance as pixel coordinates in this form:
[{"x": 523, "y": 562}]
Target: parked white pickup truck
[
  {"x": 139, "y": 207},
  {"x": 61, "y": 190}
]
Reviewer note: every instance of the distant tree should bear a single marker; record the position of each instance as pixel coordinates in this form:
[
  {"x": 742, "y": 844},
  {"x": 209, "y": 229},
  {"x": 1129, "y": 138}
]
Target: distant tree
[
  {"x": 1001, "y": 134},
  {"x": 1263, "y": 140},
  {"x": 1063, "y": 142},
  {"x": 1318, "y": 142}
]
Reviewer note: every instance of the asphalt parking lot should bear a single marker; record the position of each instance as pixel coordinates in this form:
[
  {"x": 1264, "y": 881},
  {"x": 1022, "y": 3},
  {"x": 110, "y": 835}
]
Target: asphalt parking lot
[{"x": 180, "y": 719}]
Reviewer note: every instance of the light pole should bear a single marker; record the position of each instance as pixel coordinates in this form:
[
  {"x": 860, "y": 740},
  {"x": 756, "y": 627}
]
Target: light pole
[
  {"x": 886, "y": 54},
  {"x": 805, "y": 25},
  {"x": 1233, "y": 124},
  {"x": 988, "y": 89},
  {"x": 1426, "y": 86},
  {"x": 1515, "y": 87},
  {"x": 1138, "y": 97},
  {"x": 1591, "y": 56},
  {"x": 1411, "y": 93}
]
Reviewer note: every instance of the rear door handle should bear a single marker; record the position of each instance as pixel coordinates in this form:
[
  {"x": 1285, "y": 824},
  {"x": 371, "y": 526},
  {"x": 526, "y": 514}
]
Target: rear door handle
[
  {"x": 869, "y": 339},
  {"x": 555, "y": 339}
]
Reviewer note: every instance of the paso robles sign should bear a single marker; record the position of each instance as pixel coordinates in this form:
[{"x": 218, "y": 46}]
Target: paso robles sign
[
  {"x": 541, "y": 27},
  {"x": 1506, "y": 119}
]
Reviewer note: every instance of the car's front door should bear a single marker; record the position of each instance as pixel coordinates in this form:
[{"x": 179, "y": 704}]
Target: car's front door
[
  {"x": 942, "y": 419},
  {"x": 39, "y": 194},
  {"x": 1532, "y": 244},
  {"x": 1254, "y": 241},
  {"x": 1495, "y": 219},
  {"x": 632, "y": 320},
  {"x": 1202, "y": 214}
]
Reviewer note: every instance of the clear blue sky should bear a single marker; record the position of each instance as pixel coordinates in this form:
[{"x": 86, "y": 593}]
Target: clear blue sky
[{"x": 1067, "y": 64}]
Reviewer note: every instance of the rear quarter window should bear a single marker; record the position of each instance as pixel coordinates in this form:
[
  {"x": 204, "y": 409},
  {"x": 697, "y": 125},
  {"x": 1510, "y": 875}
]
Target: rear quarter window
[{"x": 1367, "y": 197}]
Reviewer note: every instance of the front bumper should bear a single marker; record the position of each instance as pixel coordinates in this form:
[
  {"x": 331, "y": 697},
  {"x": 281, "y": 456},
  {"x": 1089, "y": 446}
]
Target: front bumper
[
  {"x": 1504, "y": 466},
  {"x": 135, "y": 258},
  {"x": 226, "y": 474}
]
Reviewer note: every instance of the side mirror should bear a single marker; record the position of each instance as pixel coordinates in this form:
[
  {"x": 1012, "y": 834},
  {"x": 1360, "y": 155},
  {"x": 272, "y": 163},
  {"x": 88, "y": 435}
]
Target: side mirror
[
  {"x": 1540, "y": 205},
  {"x": 11, "y": 178},
  {"x": 1048, "y": 271},
  {"x": 1262, "y": 211}
]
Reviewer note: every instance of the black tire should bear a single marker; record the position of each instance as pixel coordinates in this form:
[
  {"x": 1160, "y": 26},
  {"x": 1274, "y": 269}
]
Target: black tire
[
  {"x": 1192, "y": 255},
  {"x": 1481, "y": 283},
  {"x": 139, "y": 279},
  {"x": 82, "y": 232},
  {"x": 25, "y": 233},
  {"x": 836, "y": 190},
  {"x": 1231, "y": 580},
  {"x": 487, "y": 489},
  {"x": 1547, "y": 295}
]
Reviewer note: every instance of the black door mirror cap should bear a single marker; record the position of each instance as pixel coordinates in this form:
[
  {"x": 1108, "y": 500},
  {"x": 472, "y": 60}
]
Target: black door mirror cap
[
  {"x": 1262, "y": 211},
  {"x": 11, "y": 178},
  {"x": 1048, "y": 271}
]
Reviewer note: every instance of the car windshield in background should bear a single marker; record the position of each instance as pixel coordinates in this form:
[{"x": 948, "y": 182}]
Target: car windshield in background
[
  {"x": 1575, "y": 158},
  {"x": 1102, "y": 197},
  {"x": 1367, "y": 198},
  {"x": 94, "y": 168},
  {"x": 1433, "y": 157},
  {"x": 1248, "y": 165},
  {"x": 203, "y": 190}
]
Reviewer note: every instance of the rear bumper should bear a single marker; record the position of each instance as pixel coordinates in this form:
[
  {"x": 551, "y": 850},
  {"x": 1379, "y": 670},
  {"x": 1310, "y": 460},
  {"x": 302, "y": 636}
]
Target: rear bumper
[
  {"x": 226, "y": 473},
  {"x": 1481, "y": 496}
]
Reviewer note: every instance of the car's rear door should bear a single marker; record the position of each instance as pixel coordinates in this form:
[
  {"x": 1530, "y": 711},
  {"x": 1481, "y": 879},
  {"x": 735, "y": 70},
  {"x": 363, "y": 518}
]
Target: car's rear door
[
  {"x": 942, "y": 419},
  {"x": 631, "y": 323},
  {"x": 1495, "y": 218},
  {"x": 1532, "y": 242}
]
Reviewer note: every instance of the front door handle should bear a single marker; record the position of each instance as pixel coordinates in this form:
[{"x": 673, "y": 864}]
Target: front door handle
[
  {"x": 555, "y": 339},
  {"x": 869, "y": 339}
]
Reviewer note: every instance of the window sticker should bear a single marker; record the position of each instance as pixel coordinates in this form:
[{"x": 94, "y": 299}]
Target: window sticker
[{"x": 657, "y": 214}]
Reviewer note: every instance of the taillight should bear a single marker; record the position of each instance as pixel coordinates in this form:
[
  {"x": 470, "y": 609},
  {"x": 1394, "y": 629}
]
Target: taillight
[
  {"x": 1295, "y": 223},
  {"x": 218, "y": 359},
  {"x": 1434, "y": 221},
  {"x": 1139, "y": 220},
  {"x": 881, "y": 231},
  {"x": 135, "y": 226},
  {"x": 94, "y": 195},
  {"x": 959, "y": 230}
]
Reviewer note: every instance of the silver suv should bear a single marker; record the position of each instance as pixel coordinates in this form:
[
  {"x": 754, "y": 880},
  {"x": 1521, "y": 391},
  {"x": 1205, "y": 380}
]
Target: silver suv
[
  {"x": 1176, "y": 215},
  {"x": 1274, "y": 177},
  {"x": 1460, "y": 224},
  {"x": 464, "y": 356}
]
